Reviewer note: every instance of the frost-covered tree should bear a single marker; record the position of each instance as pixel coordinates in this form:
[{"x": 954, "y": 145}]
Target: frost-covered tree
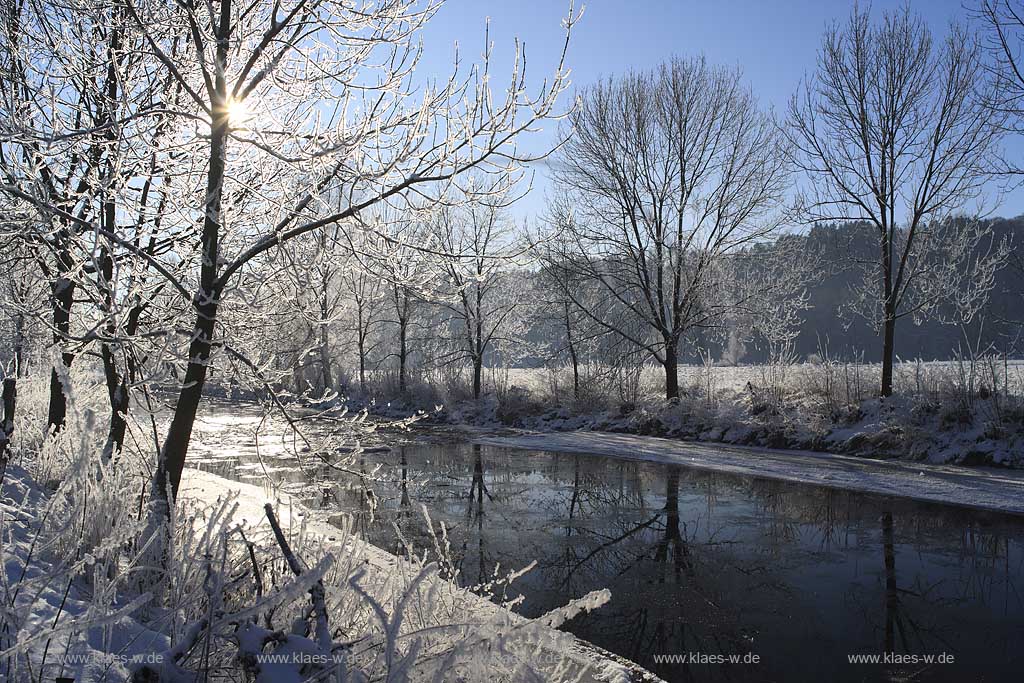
[
  {"x": 365, "y": 298},
  {"x": 22, "y": 298},
  {"x": 87, "y": 143},
  {"x": 482, "y": 296},
  {"x": 665, "y": 174},
  {"x": 894, "y": 129},
  {"x": 409, "y": 263},
  {"x": 1003, "y": 24},
  {"x": 563, "y": 298},
  {"x": 79, "y": 104},
  {"x": 296, "y": 101}
]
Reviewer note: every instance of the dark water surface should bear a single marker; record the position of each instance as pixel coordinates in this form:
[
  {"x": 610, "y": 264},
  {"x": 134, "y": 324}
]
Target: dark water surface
[{"x": 706, "y": 565}]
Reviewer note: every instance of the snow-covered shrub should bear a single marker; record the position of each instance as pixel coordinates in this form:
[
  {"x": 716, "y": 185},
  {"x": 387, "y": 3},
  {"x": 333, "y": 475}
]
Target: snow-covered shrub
[
  {"x": 69, "y": 555},
  {"x": 516, "y": 403}
]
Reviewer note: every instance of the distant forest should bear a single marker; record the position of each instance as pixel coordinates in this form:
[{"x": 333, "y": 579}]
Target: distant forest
[{"x": 829, "y": 327}]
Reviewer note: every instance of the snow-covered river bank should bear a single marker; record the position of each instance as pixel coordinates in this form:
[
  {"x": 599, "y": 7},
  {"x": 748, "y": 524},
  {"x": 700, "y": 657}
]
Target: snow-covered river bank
[{"x": 987, "y": 488}]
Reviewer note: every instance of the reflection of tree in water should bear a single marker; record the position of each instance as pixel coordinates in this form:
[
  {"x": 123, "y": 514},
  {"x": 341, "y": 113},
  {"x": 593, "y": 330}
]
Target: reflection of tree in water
[
  {"x": 668, "y": 635},
  {"x": 403, "y": 515},
  {"x": 353, "y": 493},
  {"x": 478, "y": 486},
  {"x": 404, "y": 502},
  {"x": 779, "y": 528},
  {"x": 488, "y": 520},
  {"x": 475, "y": 511},
  {"x": 651, "y": 561},
  {"x": 680, "y": 583},
  {"x": 367, "y": 509},
  {"x": 910, "y": 615},
  {"x": 672, "y": 543},
  {"x": 828, "y": 517},
  {"x": 991, "y": 570},
  {"x": 893, "y": 618}
]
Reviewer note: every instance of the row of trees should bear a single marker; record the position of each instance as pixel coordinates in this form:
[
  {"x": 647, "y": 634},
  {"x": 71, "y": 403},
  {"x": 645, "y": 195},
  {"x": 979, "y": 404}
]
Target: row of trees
[
  {"x": 672, "y": 184},
  {"x": 406, "y": 293},
  {"x": 190, "y": 186},
  {"x": 671, "y": 177}
]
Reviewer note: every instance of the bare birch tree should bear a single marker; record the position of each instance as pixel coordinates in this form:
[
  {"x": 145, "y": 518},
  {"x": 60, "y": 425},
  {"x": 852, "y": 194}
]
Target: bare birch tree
[{"x": 893, "y": 129}]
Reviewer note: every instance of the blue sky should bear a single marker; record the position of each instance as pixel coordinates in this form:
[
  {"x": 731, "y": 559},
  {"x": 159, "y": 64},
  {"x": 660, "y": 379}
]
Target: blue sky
[{"x": 774, "y": 42}]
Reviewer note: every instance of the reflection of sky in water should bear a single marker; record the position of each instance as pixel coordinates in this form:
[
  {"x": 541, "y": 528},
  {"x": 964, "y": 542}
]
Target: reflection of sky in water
[{"x": 707, "y": 562}]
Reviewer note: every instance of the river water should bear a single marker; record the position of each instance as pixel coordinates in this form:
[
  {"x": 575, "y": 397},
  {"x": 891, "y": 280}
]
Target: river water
[{"x": 737, "y": 578}]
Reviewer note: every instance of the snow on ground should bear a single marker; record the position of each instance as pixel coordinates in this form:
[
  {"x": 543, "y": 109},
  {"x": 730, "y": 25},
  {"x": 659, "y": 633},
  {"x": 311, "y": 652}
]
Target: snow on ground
[
  {"x": 601, "y": 666},
  {"x": 80, "y": 632},
  {"x": 735, "y": 377},
  {"x": 942, "y": 412},
  {"x": 984, "y": 488}
]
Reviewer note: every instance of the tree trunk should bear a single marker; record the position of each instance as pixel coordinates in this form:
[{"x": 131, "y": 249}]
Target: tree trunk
[
  {"x": 888, "y": 353},
  {"x": 119, "y": 403},
  {"x": 478, "y": 366},
  {"x": 362, "y": 332},
  {"x": 179, "y": 434},
  {"x": 117, "y": 387},
  {"x": 671, "y": 371},
  {"x": 10, "y": 393},
  {"x": 325, "y": 353},
  {"x": 117, "y": 392},
  {"x": 63, "y": 289},
  {"x": 362, "y": 364},
  {"x": 403, "y": 352},
  {"x": 325, "y": 361},
  {"x": 478, "y": 340},
  {"x": 172, "y": 460},
  {"x": 19, "y": 344},
  {"x": 891, "y": 595},
  {"x": 573, "y": 357},
  {"x": 575, "y": 372}
]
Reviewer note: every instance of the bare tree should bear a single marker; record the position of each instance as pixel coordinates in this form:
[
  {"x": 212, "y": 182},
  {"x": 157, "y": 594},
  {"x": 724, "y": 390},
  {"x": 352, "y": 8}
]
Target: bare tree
[
  {"x": 54, "y": 87},
  {"x": 22, "y": 296},
  {"x": 770, "y": 284},
  {"x": 564, "y": 315},
  {"x": 82, "y": 115},
  {"x": 893, "y": 129},
  {"x": 328, "y": 301},
  {"x": 1003, "y": 22},
  {"x": 560, "y": 292},
  {"x": 665, "y": 174},
  {"x": 405, "y": 304},
  {"x": 481, "y": 300},
  {"x": 409, "y": 263},
  {"x": 365, "y": 296},
  {"x": 292, "y": 304}
]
